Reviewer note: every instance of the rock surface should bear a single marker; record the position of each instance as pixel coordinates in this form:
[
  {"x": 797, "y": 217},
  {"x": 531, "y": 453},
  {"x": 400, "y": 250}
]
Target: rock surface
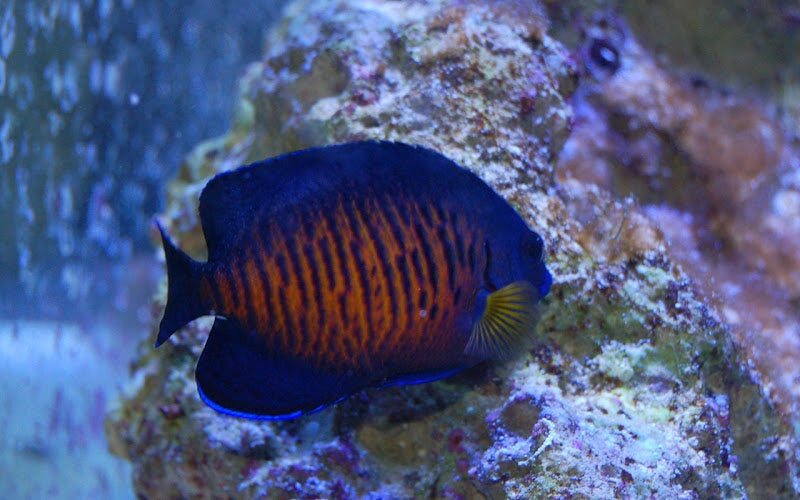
[
  {"x": 716, "y": 173},
  {"x": 635, "y": 385}
]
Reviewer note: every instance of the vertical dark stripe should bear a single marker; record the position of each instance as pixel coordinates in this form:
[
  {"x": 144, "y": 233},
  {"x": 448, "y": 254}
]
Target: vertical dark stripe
[
  {"x": 308, "y": 315},
  {"x": 229, "y": 300},
  {"x": 261, "y": 266},
  {"x": 327, "y": 263},
  {"x": 280, "y": 263},
  {"x": 379, "y": 318},
  {"x": 337, "y": 238},
  {"x": 427, "y": 284},
  {"x": 385, "y": 271},
  {"x": 440, "y": 214},
  {"x": 419, "y": 273},
  {"x": 235, "y": 286},
  {"x": 427, "y": 253},
  {"x": 366, "y": 297},
  {"x": 249, "y": 291},
  {"x": 401, "y": 277},
  {"x": 423, "y": 299},
  {"x": 289, "y": 292},
  {"x": 278, "y": 322},
  {"x": 339, "y": 346},
  {"x": 286, "y": 334},
  {"x": 358, "y": 335},
  {"x": 219, "y": 300},
  {"x": 307, "y": 224},
  {"x": 426, "y": 215},
  {"x": 388, "y": 242},
  {"x": 330, "y": 324},
  {"x": 449, "y": 256},
  {"x": 275, "y": 266},
  {"x": 299, "y": 315},
  {"x": 311, "y": 275},
  {"x": 313, "y": 264},
  {"x": 402, "y": 211},
  {"x": 393, "y": 223},
  {"x": 487, "y": 259},
  {"x": 460, "y": 238},
  {"x": 341, "y": 300},
  {"x": 295, "y": 266},
  {"x": 457, "y": 295},
  {"x": 472, "y": 252},
  {"x": 405, "y": 279}
]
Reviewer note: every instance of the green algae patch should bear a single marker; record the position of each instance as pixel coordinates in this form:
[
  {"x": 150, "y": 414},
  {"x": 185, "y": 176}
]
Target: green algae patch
[{"x": 622, "y": 362}]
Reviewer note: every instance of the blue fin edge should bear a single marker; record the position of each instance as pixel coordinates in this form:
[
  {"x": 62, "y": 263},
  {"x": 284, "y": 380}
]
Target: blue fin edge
[
  {"x": 410, "y": 380},
  {"x": 255, "y": 416},
  {"x": 420, "y": 378},
  {"x": 407, "y": 380}
]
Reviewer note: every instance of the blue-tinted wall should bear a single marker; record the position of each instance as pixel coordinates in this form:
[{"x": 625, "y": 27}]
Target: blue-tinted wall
[{"x": 99, "y": 101}]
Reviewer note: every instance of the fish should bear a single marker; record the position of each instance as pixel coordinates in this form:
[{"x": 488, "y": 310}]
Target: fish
[{"x": 338, "y": 268}]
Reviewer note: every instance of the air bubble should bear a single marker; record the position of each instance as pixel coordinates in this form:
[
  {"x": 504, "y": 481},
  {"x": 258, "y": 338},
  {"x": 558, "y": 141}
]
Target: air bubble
[
  {"x": 104, "y": 8},
  {"x": 6, "y": 145},
  {"x": 111, "y": 79},
  {"x": 74, "y": 16},
  {"x": 24, "y": 210},
  {"x": 70, "y": 90},
  {"x": 48, "y": 17},
  {"x": 53, "y": 75},
  {"x": 65, "y": 240},
  {"x": 55, "y": 122},
  {"x": 7, "y": 32},
  {"x": 23, "y": 90},
  {"x": 95, "y": 75}
]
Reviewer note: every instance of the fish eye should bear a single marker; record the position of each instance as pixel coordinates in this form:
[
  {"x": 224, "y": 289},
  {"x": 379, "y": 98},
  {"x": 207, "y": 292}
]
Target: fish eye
[
  {"x": 532, "y": 245},
  {"x": 604, "y": 55}
]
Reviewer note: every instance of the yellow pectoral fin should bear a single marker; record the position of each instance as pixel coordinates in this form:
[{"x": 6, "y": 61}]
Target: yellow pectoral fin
[{"x": 507, "y": 320}]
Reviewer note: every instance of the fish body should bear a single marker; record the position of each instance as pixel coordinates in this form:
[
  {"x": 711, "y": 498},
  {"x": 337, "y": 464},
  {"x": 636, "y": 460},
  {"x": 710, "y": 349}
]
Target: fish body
[{"x": 343, "y": 267}]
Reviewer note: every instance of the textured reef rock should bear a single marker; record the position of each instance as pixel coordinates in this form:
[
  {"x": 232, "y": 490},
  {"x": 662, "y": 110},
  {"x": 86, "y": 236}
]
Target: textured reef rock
[
  {"x": 635, "y": 386},
  {"x": 741, "y": 43},
  {"x": 716, "y": 174}
]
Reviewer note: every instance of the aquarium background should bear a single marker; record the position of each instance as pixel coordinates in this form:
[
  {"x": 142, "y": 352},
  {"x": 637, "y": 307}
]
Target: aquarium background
[{"x": 99, "y": 103}]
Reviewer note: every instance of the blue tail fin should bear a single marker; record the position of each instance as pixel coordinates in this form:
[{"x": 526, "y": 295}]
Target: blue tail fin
[{"x": 184, "y": 302}]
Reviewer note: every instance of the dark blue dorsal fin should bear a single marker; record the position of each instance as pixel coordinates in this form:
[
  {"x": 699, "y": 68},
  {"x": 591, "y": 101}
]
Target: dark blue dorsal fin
[{"x": 233, "y": 201}]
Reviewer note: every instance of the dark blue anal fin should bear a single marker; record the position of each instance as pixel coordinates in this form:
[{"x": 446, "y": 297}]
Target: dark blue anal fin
[{"x": 238, "y": 377}]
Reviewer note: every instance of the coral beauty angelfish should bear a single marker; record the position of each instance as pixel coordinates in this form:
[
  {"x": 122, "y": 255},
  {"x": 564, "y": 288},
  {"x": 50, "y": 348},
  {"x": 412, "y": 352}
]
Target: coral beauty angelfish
[{"x": 343, "y": 267}]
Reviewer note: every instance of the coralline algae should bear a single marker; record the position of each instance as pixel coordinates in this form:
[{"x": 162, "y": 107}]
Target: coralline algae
[{"x": 634, "y": 387}]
